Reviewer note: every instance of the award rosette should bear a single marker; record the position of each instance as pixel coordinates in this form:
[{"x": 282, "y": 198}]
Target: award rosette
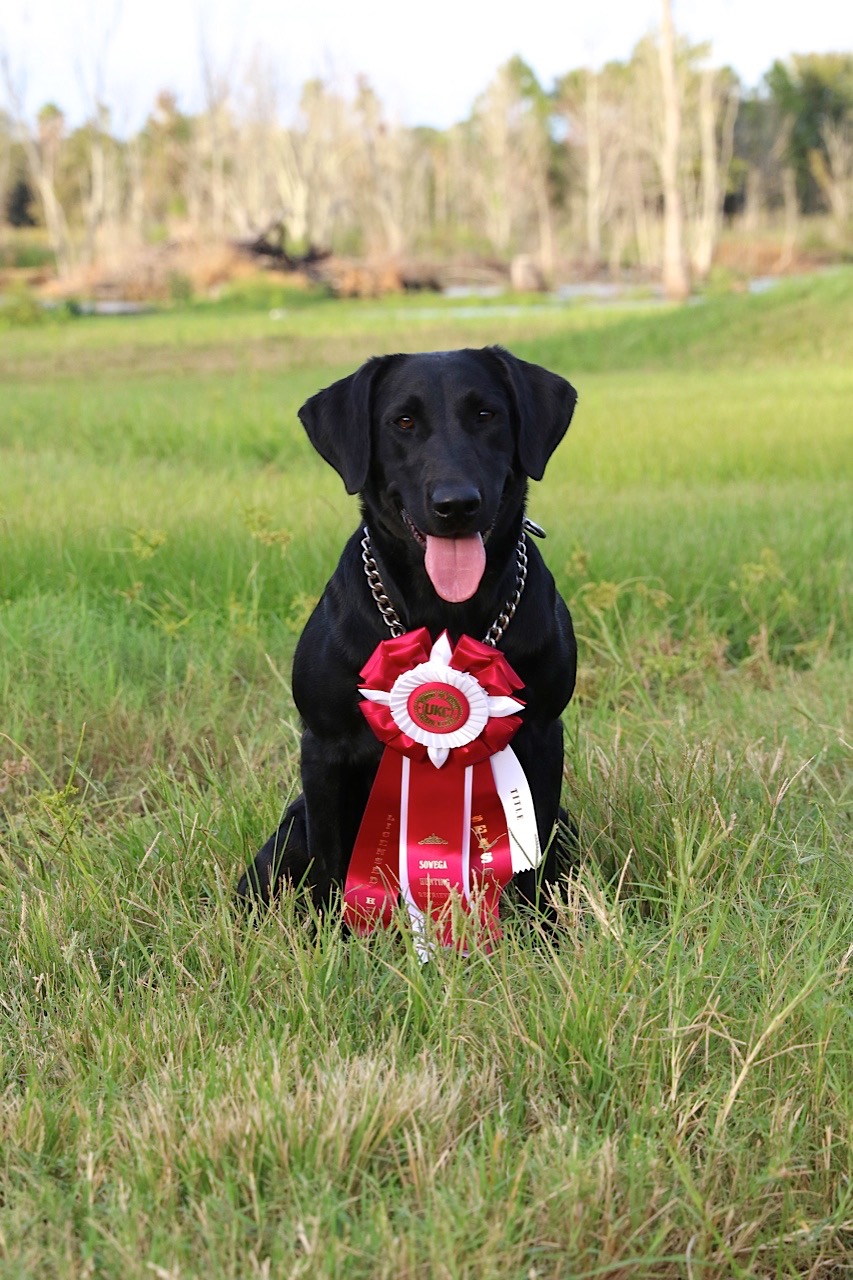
[{"x": 450, "y": 815}]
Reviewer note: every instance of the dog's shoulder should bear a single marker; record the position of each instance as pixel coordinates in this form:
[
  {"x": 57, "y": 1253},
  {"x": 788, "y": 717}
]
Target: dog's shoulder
[
  {"x": 540, "y": 641},
  {"x": 338, "y": 638}
]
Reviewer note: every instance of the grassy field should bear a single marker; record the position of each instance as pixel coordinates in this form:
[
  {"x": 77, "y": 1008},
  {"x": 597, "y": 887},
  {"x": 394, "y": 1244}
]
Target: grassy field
[{"x": 662, "y": 1088}]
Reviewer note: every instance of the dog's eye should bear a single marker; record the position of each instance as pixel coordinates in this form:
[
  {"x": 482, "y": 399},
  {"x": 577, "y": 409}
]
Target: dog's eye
[
  {"x": 405, "y": 422},
  {"x": 485, "y": 415}
]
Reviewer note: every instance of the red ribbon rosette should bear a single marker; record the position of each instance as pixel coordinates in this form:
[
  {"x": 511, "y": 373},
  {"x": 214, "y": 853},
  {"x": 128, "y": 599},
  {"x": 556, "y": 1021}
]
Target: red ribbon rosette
[{"x": 450, "y": 814}]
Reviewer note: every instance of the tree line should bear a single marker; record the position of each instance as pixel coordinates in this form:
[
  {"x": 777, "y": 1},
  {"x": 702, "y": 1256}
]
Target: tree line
[{"x": 602, "y": 168}]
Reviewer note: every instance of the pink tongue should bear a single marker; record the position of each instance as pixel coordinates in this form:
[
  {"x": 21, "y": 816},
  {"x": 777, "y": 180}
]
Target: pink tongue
[{"x": 455, "y": 565}]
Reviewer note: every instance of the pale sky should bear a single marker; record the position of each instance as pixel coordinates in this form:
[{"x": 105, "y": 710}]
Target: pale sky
[{"x": 427, "y": 62}]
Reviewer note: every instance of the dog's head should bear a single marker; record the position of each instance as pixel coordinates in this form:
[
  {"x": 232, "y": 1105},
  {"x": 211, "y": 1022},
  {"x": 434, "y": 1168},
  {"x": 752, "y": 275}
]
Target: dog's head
[{"x": 440, "y": 446}]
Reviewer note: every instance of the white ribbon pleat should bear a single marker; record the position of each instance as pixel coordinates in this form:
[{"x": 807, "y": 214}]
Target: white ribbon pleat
[
  {"x": 466, "y": 833},
  {"x": 423, "y": 948}
]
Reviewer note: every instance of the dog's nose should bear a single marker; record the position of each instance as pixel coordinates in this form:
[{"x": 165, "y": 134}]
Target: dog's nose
[{"x": 456, "y": 501}]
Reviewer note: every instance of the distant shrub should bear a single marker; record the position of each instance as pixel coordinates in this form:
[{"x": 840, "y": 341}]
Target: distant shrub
[
  {"x": 25, "y": 255},
  {"x": 260, "y": 293},
  {"x": 19, "y": 307},
  {"x": 180, "y": 287},
  {"x": 723, "y": 279}
]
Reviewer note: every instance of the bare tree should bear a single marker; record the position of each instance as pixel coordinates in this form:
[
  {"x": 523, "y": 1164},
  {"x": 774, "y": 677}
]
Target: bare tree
[
  {"x": 790, "y": 200},
  {"x": 315, "y": 170},
  {"x": 834, "y": 171},
  {"x": 792, "y": 218},
  {"x": 100, "y": 180},
  {"x": 252, "y": 197},
  {"x": 213, "y": 138},
  {"x": 6, "y": 139},
  {"x": 509, "y": 162},
  {"x": 592, "y": 120},
  {"x": 384, "y": 166},
  {"x": 718, "y": 104},
  {"x": 676, "y": 281},
  {"x": 636, "y": 197},
  {"x": 43, "y": 155},
  {"x": 493, "y": 173},
  {"x": 135, "y": 188},
  {"x": 95, "y": 196},
  {"x": 41, "y": 149},
  {"x": 611, "y": 117}
]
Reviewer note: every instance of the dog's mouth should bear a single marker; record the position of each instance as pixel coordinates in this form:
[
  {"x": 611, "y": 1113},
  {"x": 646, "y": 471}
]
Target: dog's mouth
[{"x": 454, "y": 565}]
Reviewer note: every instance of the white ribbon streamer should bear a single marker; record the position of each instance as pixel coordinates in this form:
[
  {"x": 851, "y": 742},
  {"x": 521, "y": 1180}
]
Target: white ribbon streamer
[{"x": 514, "y": 793}]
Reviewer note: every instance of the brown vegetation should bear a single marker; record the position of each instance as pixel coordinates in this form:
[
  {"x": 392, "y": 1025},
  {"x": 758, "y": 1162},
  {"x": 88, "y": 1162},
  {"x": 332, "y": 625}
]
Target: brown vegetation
[{"x": 632, "y": 170}]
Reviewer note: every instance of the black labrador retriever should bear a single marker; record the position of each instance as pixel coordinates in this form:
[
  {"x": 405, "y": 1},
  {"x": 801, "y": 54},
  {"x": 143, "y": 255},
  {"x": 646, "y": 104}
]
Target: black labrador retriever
[{"x": 440, "y": 447}]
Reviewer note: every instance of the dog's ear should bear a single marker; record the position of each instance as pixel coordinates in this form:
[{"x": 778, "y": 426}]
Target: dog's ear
[
  {"x": 544, "y": 404},
  {"x": 337, "y": 421}
]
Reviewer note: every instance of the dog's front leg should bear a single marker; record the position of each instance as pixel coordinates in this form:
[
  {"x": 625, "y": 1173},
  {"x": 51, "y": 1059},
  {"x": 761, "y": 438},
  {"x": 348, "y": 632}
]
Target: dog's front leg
[{"x": 335, "y": 784}]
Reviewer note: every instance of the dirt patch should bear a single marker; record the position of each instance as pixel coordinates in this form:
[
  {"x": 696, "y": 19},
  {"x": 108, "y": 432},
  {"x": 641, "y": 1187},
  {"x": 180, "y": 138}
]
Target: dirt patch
[{"x": 173, "y": 271}]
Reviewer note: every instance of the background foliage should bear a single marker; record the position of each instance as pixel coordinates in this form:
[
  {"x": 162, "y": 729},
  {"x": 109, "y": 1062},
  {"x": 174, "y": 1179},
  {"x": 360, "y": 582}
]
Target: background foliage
[{"x": 567, "y": 173}]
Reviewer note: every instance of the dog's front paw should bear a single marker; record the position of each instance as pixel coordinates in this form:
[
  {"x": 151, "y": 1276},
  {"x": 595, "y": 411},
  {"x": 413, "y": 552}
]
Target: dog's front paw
[
  {"x": 282, "y": 861},
  {"x": 324, "y": 890},
  {"x": 259, "y": 882}
]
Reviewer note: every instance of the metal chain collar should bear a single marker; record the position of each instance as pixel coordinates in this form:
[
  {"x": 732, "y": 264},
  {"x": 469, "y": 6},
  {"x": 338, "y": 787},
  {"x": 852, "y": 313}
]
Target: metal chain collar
[{"x": 392, "y": 618}]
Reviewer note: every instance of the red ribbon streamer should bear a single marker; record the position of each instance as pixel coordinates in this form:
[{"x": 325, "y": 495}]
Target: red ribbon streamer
[
  {"x": 491, "y": 855},
  {"x": 373, "y": 885}
]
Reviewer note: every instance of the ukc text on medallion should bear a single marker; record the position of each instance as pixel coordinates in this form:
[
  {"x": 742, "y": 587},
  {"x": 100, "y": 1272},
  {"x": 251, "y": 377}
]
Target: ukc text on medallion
[{"x": 438, "y": 707}]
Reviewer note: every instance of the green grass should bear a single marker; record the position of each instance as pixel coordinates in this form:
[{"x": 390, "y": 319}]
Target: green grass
[{"x": 662, "y": 1088}]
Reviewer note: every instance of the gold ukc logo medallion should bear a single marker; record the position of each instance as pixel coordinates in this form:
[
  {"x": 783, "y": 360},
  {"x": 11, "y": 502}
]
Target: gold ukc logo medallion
[{"x": 438, "y": 708}]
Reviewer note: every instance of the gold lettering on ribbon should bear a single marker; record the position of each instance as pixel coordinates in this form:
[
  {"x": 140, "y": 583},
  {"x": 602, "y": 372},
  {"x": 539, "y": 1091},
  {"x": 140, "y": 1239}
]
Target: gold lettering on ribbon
[
  {"x": 480, "y": 832},
  {"x": 379, "y": 856}
]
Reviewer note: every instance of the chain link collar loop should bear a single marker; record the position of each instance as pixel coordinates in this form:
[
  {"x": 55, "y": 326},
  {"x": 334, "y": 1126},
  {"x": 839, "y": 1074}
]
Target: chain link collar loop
[{"x": 392, "y": 618}]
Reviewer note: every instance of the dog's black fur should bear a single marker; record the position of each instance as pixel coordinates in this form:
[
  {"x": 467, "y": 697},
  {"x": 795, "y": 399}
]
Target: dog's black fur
[{"x": 451, "y": 437}]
